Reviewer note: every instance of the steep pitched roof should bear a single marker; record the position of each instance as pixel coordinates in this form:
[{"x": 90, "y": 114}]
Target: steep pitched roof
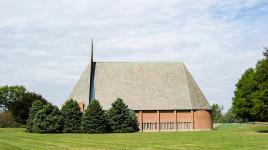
[
  {"x": 80, "y": 91},
  {"x": 143, "y": 86}
]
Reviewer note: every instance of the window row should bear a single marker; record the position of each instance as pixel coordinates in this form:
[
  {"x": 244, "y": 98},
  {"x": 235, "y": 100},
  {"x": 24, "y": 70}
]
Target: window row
[{"x": 166, "y": 126}]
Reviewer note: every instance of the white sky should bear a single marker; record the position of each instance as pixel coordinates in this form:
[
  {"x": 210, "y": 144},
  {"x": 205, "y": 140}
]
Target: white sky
[{"x": 44, "y": 45}]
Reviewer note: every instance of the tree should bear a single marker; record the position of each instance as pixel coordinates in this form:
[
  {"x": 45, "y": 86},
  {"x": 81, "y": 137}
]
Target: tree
[
  {"x": 251, "y": 95},
  {"x": 21, "y": 107},
  {"x": 216, "y": 113},
  {"x": 7, "y": 120},
  {"x": 260, "y": 96},
  {"x": 94, "y": 119},
  {"x": 10, "y": 94},
  {"x": 36, "y": 106},
  {"x": 243, "y": 101},
  {"x": 72, "y": 116},
  {"x": 48, "y": 120},
  {"x": 229, "y": 117},
  {"x": 120, "y": 117}
]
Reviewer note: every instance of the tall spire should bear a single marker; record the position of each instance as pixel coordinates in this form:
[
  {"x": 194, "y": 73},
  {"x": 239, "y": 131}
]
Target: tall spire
[{"x": 91, "y": 57}]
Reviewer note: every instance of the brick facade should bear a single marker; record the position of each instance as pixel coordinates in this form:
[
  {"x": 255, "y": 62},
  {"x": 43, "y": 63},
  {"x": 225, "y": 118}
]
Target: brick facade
[{"x": 174, "y": 120}]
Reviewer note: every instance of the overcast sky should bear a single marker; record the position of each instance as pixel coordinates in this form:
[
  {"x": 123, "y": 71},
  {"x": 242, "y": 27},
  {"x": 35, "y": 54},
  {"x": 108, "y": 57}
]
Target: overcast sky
[{"x": 44, "y": 45}]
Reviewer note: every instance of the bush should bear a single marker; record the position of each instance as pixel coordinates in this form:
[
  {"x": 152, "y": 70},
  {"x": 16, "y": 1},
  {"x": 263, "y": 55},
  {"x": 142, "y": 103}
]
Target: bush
[
  {"x": 121, "y": 119},
  {"x": 7, "y": 120},
  {"x": 36, "y": 106},
  {"x": 94, "y": 119},
  {"x": 72, "y": 116},
  {"x": 48, "y": 120}
]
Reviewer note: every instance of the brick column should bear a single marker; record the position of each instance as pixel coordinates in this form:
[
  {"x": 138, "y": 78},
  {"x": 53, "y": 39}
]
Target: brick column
[
  {"x": 141, "y": 121},
  {"x": 175, "y": 111},
  {"x": 192, "y": 111},
  {"x": 158, "y": 121}
]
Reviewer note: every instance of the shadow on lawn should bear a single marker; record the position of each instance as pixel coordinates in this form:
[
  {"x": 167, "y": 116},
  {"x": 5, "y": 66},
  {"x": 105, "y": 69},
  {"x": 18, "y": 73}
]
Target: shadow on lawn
[{"x": 262, "y": 131}]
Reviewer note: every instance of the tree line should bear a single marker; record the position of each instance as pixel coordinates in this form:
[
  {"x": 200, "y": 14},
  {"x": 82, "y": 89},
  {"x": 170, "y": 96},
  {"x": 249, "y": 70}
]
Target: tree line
[
  {"x": 15, "y": 103},
  {"x": 46, "y": 118}
]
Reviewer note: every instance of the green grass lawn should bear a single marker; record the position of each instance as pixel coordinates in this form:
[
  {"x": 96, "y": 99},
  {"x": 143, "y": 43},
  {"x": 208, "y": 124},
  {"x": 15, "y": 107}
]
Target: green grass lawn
[{"x": 226, "y": 136}]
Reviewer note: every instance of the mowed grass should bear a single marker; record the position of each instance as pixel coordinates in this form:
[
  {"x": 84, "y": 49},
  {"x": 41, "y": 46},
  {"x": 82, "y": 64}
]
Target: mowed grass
[{"x": 226, "y": 136}]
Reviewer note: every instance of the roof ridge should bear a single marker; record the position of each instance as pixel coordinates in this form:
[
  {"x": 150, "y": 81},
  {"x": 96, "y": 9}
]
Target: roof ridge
[{"x": 186, "y": 83}]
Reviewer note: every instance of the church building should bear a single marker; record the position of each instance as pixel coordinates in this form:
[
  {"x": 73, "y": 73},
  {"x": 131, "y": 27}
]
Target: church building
[{"x": 163, "y": 95}]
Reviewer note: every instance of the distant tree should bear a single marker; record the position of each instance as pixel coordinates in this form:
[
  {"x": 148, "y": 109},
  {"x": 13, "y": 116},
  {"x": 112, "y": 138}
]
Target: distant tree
[
  {"x": 36, "y": 106},
  {"x": 120, "y": 117},
  {"x": 216, "y": 113},
  {"x": 243, "y": 101},
  {"x": 72, "y": 116},
  {"x": 7, "y": 120},
  {"x": 10, "y": 94},
  {"x": 20, "y": 108},
  {"x": 229, "y": 117},
  {"x": 48, "y": 120},
  {"x": 94, "y": 119}
]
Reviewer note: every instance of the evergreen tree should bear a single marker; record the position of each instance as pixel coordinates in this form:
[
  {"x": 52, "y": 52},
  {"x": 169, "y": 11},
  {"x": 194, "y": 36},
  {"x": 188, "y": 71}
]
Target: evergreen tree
[
  {"x": 120, "y": 117},
  {"x": 36, "y": 106},
  {"x": 20, "y": 108},
  {"x": 72, "y": 116},
  {"x": 48, "y": 120},
  {"x": 94, "y": 119}
]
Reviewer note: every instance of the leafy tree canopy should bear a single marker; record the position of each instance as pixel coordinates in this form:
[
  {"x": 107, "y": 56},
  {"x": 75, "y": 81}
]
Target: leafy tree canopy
[
  {"x": 20, "y": 108},
  {"x": 216, "y": 113},
  {"x": 251, "y": 95},
  {"x": 10, "y": 94}
]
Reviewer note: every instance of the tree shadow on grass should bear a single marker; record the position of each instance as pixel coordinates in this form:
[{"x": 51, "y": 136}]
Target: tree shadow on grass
[{"x": 262, "y": 131}]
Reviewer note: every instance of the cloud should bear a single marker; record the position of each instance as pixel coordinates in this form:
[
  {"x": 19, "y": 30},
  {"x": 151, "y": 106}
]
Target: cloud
[{"x": 45, "y": 45}]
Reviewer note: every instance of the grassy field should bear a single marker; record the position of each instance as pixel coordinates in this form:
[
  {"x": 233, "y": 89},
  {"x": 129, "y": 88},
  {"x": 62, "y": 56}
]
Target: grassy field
[{"x": 226, "y": 136}]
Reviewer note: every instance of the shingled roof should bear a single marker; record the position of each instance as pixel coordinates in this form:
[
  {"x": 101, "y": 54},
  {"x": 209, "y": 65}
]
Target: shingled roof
[{"x": 142, "y": 85}]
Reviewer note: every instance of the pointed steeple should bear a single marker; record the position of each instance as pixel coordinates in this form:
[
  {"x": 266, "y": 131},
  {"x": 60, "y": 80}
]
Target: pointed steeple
[{"x": 91, "y": 57}]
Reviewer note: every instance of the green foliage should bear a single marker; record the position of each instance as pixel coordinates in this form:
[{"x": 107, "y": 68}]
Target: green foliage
[
  {"x": 20, "y": 108},
  {"x": 251, "y": 95},
  {"x": 10, "y": 94},
  {"x": 260, "y": 96},
  {"x": 242, "y": 101},
  {"x": 94, "y": 119},
  {"x": 120, "y": 117},
  {"x": 216, "y": 113},
  {"x": 48, "y": 120},
  {"x": 72, "y": 116},
  {"x": 229, "y": 117},
  {"x": 7, "y": 120},
  {"x": 36, "y": 106}
]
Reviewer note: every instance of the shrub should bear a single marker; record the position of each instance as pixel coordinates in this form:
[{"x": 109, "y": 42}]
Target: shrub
[
  {"x": 121, "y": 119},
  {"x": 36, "y": 106},
  {"x": 94, "y": 119},
  {"x": 72, "y": 116},
  {"x": 48, "y": 120},
  {"x": 7, "y": 120}
]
